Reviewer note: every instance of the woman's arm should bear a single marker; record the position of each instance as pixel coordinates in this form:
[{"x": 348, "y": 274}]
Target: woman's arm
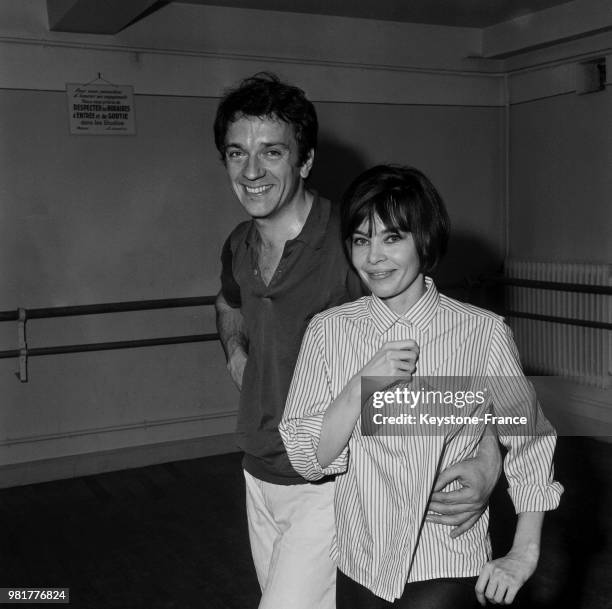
[
  {"x": 395, "y": 358},
  {"x": 315, "y": 426},
  {"x": 339, "y": 421},
  {"x": 528, "y": 467},
  {"x": 502, "y": 578}
]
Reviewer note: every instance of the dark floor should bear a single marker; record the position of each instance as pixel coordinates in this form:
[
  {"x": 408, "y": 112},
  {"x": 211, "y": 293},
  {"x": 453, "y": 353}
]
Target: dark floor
[
  {"x": 575, "y": 568},
  {"x": 174, "y": 536}
]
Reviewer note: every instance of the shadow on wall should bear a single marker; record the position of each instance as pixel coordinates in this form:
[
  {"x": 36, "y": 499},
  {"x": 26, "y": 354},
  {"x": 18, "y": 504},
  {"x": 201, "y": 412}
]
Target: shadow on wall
[
  {"x": 336, "y": 165},
  {"x": 469, "y": 257}
]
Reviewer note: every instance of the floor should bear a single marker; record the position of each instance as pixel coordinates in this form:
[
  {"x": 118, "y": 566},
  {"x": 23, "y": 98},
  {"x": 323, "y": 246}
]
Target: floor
[{"x": 174, "y": 536}]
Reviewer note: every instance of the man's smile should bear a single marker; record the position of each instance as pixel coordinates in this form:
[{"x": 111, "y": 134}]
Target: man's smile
[{"x": 257, "y": 190}]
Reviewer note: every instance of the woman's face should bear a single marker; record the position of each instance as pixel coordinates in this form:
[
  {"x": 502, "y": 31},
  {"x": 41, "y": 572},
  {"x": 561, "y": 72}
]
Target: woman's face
[{"x": 388, "y": 263}]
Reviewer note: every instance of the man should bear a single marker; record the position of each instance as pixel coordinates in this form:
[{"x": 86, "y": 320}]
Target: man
[{"x": 279, "y": 269}]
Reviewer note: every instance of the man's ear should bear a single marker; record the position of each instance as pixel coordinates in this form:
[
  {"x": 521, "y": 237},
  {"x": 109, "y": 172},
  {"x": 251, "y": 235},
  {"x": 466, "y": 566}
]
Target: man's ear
[{"x": 307, "y": 165}]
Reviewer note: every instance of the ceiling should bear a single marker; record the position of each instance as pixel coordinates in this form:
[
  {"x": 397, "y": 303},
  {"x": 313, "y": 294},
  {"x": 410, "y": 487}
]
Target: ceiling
[
  {"x": 112, "y": 16},
  {"x": 462, "y": 13}
]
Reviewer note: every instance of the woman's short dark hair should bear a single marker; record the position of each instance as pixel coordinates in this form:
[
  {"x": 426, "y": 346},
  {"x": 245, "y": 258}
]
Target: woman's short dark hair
[
  {"x": 404, "y": 199},
  {"x": 264, "y": 95}
]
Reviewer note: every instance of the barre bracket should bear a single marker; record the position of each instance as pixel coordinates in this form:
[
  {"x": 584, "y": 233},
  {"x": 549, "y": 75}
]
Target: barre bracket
[{"x": 22, "y": 319}]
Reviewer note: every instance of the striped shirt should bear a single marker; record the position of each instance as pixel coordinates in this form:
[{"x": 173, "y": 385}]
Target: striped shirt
[{"x": 383, "y": 540}]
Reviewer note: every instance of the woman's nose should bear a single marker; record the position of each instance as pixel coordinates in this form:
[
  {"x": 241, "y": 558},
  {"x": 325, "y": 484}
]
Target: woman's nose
[{"x": 376, "y": 253}]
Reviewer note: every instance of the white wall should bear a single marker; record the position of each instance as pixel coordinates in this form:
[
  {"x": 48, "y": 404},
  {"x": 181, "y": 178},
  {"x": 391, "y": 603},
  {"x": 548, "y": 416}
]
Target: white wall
[{"x": 560, "y": 160}]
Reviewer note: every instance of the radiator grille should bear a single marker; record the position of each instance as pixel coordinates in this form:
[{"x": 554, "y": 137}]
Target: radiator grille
[{"x": 577, "y": 353}]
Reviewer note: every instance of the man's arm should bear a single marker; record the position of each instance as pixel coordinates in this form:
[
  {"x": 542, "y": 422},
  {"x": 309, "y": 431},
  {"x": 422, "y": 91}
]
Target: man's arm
[
  {"x": 477, "y": 476},
  {"x": 230, "y": 325}
]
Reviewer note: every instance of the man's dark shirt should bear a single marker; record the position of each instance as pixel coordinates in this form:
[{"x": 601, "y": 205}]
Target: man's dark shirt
[{"x": 312, "y": 275}]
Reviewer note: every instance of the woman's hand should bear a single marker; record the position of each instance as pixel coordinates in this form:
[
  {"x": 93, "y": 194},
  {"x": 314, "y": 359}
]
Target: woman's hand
[
  {"x": 395, "y": 358},
  {"x": 501, "y": 579}
]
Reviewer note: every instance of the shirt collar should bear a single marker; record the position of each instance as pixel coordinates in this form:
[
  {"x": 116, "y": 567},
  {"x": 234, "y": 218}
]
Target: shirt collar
[
  {"x": 314, "y": 230},
  {"x": 420, "y": 313},
  {"x": 315, "y": 227}
]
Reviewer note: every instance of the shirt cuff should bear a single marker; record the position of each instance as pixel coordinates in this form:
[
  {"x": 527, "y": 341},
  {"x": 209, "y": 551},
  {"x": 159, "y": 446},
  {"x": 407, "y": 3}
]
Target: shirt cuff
[
  {"x": 301, "y": 438},
  {"x": 535, "y": 497}
]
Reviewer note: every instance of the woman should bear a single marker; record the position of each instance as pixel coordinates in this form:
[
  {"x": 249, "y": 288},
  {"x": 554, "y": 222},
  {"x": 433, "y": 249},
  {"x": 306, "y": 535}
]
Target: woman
[{"x": 396, "y": 229}]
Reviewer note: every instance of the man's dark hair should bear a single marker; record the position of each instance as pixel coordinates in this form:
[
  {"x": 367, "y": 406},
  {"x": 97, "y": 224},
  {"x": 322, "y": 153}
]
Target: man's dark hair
[
  {"x": 264, "y": 95},
  {"x": 404, "y": 199}
]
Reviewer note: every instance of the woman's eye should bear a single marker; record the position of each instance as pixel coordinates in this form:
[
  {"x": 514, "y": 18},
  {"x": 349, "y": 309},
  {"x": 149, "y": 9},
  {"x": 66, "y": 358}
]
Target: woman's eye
[
  {"x": 359, "y": 241},
  {"x": 393, "y": 238}
]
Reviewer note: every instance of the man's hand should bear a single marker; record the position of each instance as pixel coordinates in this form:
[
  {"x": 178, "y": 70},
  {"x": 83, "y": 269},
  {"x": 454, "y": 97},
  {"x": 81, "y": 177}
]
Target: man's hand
[
  {"x": 477, "y": 476},
  {"x": 236, "y": 364}
]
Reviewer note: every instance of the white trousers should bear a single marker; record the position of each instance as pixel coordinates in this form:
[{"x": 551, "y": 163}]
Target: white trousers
[{"x": 291, "y": 529}]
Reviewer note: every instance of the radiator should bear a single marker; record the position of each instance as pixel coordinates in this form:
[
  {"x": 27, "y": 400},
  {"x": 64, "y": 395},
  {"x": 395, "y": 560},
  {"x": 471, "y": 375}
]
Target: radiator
[{"x": 579, "y": 354}]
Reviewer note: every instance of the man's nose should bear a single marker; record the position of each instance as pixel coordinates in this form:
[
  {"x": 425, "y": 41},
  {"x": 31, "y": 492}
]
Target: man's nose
[{"x": 253, "y": 168}]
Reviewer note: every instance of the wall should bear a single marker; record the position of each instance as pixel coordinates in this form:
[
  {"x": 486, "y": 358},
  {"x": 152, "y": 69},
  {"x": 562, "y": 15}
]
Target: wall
[{"x": 560, "y": 178}]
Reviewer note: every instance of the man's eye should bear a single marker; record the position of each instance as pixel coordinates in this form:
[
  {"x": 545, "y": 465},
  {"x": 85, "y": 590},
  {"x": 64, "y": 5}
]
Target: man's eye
[
  {"x": 273, "y": 153},
  {"x": 234, "y": 154}
]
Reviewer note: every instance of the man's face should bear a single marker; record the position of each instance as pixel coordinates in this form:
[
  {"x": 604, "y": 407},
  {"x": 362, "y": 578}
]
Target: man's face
[{"x": 261, "y": 157}]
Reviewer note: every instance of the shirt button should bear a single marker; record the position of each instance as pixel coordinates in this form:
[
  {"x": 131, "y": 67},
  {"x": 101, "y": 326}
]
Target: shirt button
[{"x": 255, "y": 272}]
